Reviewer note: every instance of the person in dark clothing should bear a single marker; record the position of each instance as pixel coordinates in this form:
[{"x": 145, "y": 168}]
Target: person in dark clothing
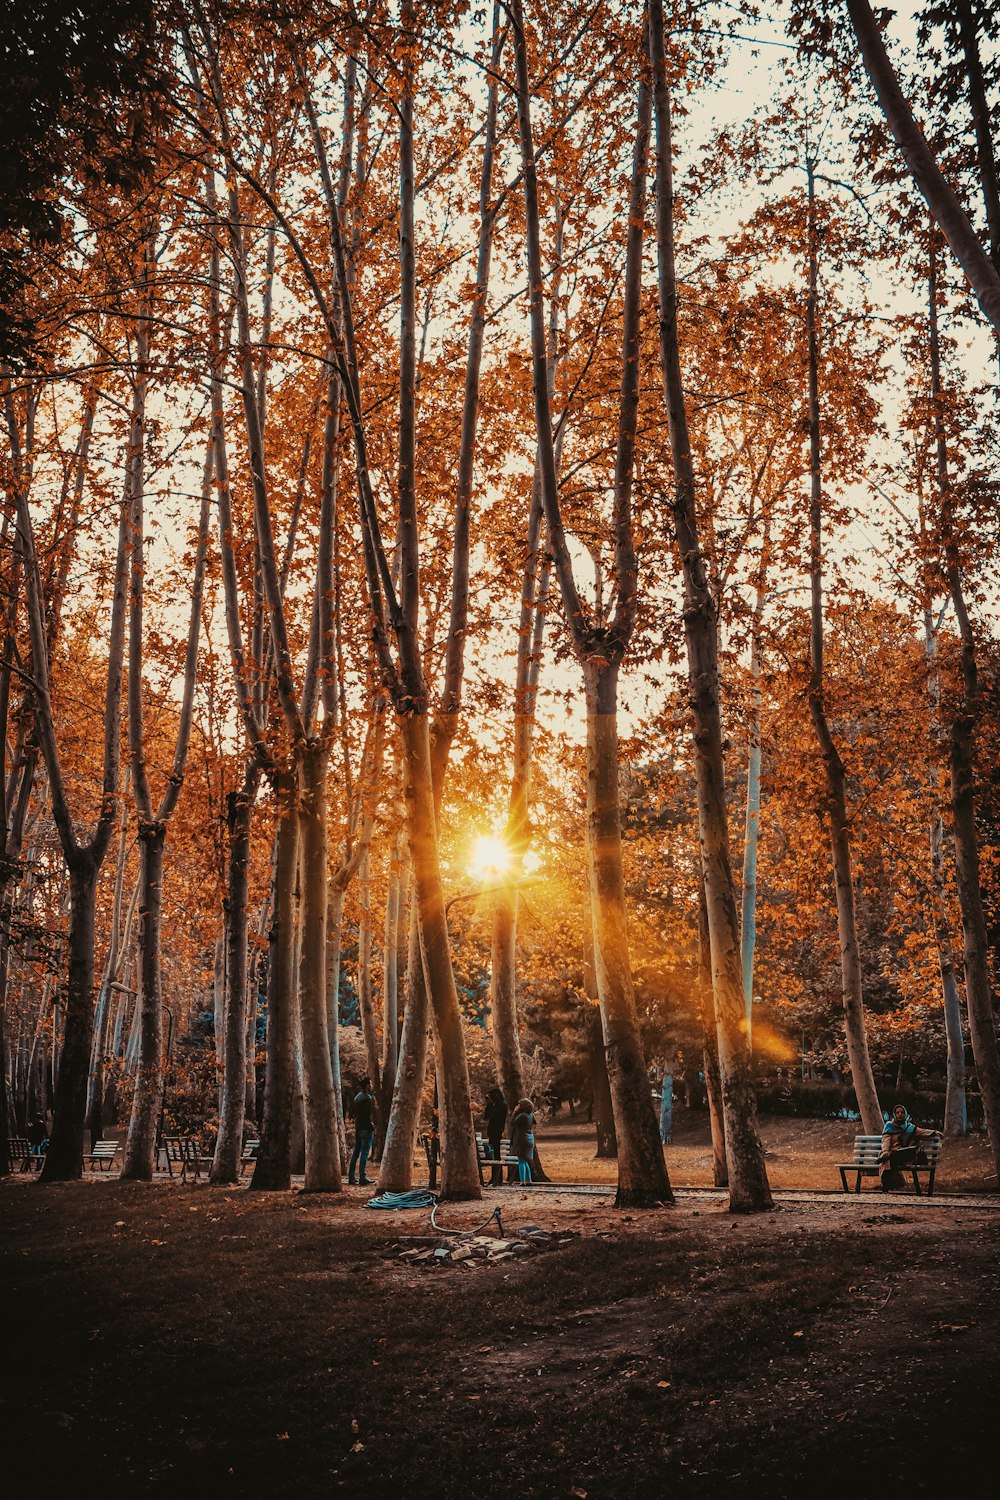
[
  {"x": 522, "y": 1138},
  {"x": 364, "y": 1131},
  {"x": 900, "y": 1148},
  {"x": 496, "y": 1122}
]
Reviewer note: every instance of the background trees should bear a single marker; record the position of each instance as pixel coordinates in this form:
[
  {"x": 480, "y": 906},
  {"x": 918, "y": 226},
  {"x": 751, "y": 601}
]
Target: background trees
[{"x": 399, "y": 436}]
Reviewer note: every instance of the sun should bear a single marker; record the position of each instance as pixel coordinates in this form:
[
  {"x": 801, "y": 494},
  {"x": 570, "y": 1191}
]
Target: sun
[{"x": 490, "y": 857}]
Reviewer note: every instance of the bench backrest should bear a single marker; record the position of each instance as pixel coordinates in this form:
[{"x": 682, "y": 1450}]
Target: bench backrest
[
  {"x": 868, "y": 1149},
  {"x": 18, "y": 1145},
  {"x": 180, "y": 1147},
  {"x": 105, "y": 1148}
]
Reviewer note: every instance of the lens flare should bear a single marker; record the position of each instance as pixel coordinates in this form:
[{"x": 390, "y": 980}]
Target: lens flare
[{"x": 490, "y": 857}]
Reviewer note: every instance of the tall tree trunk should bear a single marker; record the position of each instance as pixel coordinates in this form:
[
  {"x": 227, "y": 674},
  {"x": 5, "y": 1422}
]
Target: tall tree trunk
[
  {"x": 64, "y": 1159},
  {"x": 322, "y": 1146},
  {"x": 751, "y": 837},
  {"x": 396, "y": 1170},
  {"x": 459, "y": 1169},
  {"x": 956, "y": 1119},
  {"x": 748, "y": 1186},
  {"x": 273, "y": 1171},
  {"x": 961, "y": 755},
  {"x": 366, "y": 999},
  {"x": 390, "y": 977},
  {"x": 710, "y": 1049},
  {"x": 226, "y": 1163},
  {"x": 604, "y": 1115},
  {"x": 840, "y": 839},
  {"x": 642, "y": 1171},
  {"x": 140, "y": 1143}
]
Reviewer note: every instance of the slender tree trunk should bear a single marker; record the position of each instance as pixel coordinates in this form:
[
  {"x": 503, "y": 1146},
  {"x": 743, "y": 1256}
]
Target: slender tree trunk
[
  {"x": 366, "y": 1001},
  {"x": 232, "y": 1114},
  {"x": 459, "y": 1170},
  {"x": 751, "y": 838},
  {"x": 667, "y": 1104},
  {"x": 961, "y": 755},
  {"x": 748, "y": 1186},
  {"x": 982, "y": 1026},
  {"x": 642, "y": 1172},
  {"x": 64, "y": 1160},
  {"x": 840, "y": 838},
  {"x": 390, "y": 979},
  {"x": 334, "y": 926},
  {"x": 322, "y": 1146},
  {"x": 710, "y": 1049},
  {"x": 956, "y": 1121},
  {"x": 273, "y": 1171},
  {"x": 396, "y": 1171},
  {"x": 140, "y": 1144},
  {"x": 604, "y": 1115}
]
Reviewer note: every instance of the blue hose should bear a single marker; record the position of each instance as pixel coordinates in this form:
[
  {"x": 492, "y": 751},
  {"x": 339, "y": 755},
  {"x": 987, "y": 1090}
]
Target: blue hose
[{"x": 418, "y": 1198}]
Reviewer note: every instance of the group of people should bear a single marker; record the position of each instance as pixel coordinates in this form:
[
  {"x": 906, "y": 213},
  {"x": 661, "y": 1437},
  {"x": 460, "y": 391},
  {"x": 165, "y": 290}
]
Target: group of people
[{"x": 522, "y": 1133}]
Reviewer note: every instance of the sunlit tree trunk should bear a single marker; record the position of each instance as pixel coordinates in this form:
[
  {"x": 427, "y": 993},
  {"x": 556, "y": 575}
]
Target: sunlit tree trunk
[
  {"x": 748, "y": 1186},
  {"x": 366, "y": 998},
  {"x": 390, "y": 977},
  {"x": 600, "y": 649},
  {"x": 642, "y": 1174},
  {"x": 751, "y": 837}
]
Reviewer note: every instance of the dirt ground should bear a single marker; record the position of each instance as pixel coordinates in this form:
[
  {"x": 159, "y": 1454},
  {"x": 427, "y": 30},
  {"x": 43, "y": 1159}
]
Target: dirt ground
[{"x": 190, "y": 1341}]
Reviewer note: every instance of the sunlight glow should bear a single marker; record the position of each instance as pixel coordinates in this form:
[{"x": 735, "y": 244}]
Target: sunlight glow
[{"x": 490, "y": 857}]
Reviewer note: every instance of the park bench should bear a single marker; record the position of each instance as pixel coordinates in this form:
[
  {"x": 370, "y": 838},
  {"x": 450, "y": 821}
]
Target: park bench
[
  {"x": 866, "y": 1163},
  {"x": 21, "y": 1150},
  {"x": 484, "y": 1159},
  {"x": 103, "y": 1156},
  {"x": 249, "y": 1157},
  {"x": 183, "y": 1149}
]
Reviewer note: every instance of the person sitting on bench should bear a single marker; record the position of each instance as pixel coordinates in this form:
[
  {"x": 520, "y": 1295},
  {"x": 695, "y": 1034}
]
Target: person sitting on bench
[{"x": 900, "y": 1148}]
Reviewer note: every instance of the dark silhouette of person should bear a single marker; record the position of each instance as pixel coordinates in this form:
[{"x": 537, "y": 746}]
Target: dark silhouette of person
[
  {"x": 496, "y": 1123},
  {"x": 364, "y": 1131}
]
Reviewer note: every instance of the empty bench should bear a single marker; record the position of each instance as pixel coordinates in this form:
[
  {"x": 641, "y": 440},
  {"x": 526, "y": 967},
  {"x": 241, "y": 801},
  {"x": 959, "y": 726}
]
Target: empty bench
[
  {"x": 866, "y": 1162},
  {"x": 183, "y": 1150},
  {"x": 103, "y": 1156}
]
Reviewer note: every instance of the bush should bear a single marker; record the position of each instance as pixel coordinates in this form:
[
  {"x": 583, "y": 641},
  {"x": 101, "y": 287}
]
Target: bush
[{"x": 821, "y": 1099}]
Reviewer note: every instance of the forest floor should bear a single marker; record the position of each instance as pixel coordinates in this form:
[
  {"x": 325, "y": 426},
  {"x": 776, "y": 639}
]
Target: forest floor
[{"x": 193, "y": 1341}]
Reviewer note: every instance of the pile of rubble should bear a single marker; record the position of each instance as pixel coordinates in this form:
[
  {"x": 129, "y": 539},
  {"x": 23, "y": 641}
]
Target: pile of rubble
[{"x": 473, "y": 1250}]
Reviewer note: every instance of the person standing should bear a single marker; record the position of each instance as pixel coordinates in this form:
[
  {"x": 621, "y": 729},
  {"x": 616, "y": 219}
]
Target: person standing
[
  {"x": 364, "y": 1131},
  {"x": 522, "y": 1138},
  {"x": 495, "y": 1111}
]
